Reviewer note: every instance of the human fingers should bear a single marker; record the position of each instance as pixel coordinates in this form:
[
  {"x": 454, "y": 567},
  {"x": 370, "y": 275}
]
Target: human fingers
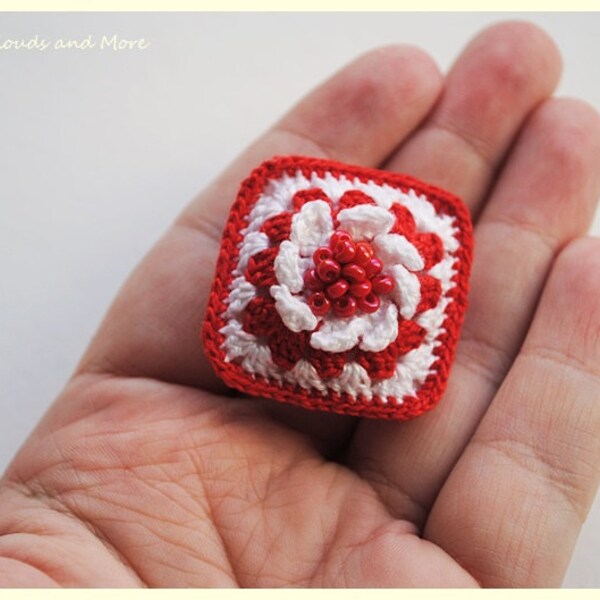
[{"x": 512, "y": 508}]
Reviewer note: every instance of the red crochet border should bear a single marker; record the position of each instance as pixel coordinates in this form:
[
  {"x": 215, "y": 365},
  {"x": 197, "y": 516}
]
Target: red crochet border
[{"x": 234, "y": 376}]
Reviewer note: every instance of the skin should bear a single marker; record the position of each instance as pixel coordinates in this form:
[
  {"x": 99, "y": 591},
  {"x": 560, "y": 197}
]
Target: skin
[{"x": 146, "y": 471}]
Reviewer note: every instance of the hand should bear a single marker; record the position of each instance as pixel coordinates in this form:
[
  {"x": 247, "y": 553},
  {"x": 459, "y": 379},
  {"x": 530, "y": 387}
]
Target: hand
[{"x": 146, "y": 471}]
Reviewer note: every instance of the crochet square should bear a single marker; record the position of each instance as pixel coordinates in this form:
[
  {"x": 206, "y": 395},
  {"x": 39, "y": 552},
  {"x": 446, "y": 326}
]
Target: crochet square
[{"x": 339, "y": 288}]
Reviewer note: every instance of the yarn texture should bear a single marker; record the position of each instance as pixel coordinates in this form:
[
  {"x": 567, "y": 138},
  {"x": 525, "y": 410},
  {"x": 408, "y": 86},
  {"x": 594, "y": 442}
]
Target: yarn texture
[{"x": 339, "y": 288}]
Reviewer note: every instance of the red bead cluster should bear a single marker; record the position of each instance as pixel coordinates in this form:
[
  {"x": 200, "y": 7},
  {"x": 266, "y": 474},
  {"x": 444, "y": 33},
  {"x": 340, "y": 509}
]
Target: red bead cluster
[{"x": 346, "y": 277}]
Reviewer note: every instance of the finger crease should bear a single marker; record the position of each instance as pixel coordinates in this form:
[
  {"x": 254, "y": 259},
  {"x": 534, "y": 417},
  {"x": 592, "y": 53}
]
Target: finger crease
[
  {"x": 36, "y": 491},
  {"x": 200, "y": 224},
  {"x": 476, "y": 147},
  {"x": 482, "y": 357},
  {"x": 561, "y": 358},
  {"x": 399, "y": 503},
  {"x": 537, "y": 464},
  {"x": 316, "y": 148},
  {"x": 551, "y": 243}
]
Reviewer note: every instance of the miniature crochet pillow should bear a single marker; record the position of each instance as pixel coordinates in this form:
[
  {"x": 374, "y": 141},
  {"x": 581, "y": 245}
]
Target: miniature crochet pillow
[{"x": 339, "y": 288}]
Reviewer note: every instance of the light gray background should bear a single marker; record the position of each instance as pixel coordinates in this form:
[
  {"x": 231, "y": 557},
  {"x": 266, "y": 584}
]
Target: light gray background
[{"x": 100, "y": 150}]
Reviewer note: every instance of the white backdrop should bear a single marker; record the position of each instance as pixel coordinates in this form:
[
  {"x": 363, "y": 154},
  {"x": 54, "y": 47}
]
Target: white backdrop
[{"x": 100, "y": 149}]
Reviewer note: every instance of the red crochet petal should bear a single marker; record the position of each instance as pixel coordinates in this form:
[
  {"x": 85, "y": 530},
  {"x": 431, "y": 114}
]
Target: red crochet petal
[
  {"x": 261, "y": 268},
  {"x": 260, "y": 317},
  {"x": 278, "y": 227},
  {"x": 328, "y": 364},
  {"x": 430, "y": 247},
  {"x": 354, "y": 198},
  {"x": 410, "y": 336},
  {"x": 303, "y": 196},
  {"x": 405, "y": 222},
  {"x": 287, "y": 347},
  {"x": 382, "y": 365},
  {"x": 379, "y": 365},
  {"x": 431, "y": 292}
]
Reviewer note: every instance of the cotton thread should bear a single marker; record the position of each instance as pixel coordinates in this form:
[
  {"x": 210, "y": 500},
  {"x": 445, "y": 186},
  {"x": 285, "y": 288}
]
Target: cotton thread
[{"x": 297, "y": 370}]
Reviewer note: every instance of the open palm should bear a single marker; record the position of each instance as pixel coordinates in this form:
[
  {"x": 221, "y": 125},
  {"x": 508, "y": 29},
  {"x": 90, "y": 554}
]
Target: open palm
[{"x": 147, "y": 471}]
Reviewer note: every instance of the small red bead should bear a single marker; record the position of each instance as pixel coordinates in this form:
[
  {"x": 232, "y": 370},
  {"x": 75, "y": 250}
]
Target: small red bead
[
  {"x": 312, "y": 281},
  {"x": 339, "y": 236},
  {"x": 337, "y": 289},
  {"x": 382, "y": 284},
  {"x": 344, "y": 251},
  {"x": 354, "y": 273},
  {"x": 364, "y": 253},
  {"x": 319, "y": 304},
  {"x": 370, "y": 303},
  {"x": 322, "y": 253},
  {"x": 345, "y": 307},
  {"x": 373, "y": 267},
  {"x": 328, "y": 270},
  {"x": 361, "y": 289}
]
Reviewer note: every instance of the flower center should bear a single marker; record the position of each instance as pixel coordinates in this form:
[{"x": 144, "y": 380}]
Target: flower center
[{"x": 346, "y": 277}]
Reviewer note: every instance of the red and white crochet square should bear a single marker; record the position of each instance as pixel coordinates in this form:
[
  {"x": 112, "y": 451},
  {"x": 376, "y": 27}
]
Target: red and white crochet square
[{"x": 339, "y": 288}]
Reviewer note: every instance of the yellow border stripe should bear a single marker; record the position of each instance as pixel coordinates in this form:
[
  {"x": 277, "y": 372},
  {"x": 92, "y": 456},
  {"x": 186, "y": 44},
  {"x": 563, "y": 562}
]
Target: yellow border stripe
[
  {"x": 298, "y": 5},
  {"x": 206, "y": 594}
]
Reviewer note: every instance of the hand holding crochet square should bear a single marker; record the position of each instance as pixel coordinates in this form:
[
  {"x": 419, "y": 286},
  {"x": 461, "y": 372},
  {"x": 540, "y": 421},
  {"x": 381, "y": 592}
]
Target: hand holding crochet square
[
  {"x": 339, "y": 288},
  {"x": 289, "y": 390}
]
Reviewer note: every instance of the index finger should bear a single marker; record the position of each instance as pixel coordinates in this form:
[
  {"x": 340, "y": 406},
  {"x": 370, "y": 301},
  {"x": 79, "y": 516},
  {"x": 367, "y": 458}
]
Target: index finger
[{"x": 359, "y": 116}]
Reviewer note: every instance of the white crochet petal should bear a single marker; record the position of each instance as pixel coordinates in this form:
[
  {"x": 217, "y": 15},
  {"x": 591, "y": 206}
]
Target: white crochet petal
[
  {"x": 393, "y": 248},
  {"x": 254, "y": 242},
  {"x": 381, "y": 328},
  {"x": 288, "y": 267},
  {"x": 311, "y": 227},
  {"x": 407, "y": 291},
  {"x": 242, "y": 292},
  {"x": 294, "y": 312},
  {"x": 257, "y": 359},
  {"x": 355, "y": 378},
  {"x": 365, "y": 221},
  {"x": 236, "y": 341},
  {"x": 240, "y": 344},
  {"x": 306, "y": 376},
  {"x": 339, "y": 335},
  {"x": 264, "y": 209}
]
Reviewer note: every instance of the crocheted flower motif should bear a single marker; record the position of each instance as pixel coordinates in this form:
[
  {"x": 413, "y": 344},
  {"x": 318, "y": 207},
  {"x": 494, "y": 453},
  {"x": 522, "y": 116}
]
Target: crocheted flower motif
[{"x": 339, "y": 288}]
